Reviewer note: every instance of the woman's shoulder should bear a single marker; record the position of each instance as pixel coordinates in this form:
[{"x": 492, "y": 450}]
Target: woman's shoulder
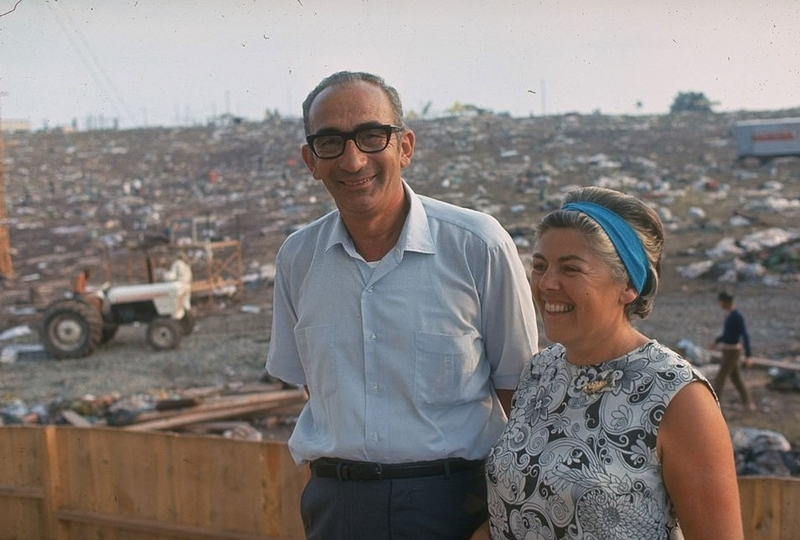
[
  {"x": 670, "y": 364},
  {"x": 546, "y": 358}
]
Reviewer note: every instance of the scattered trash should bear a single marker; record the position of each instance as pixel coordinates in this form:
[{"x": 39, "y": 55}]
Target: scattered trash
[
  {"x": 10, "y": 353},
  {"x": 206, "y": 410},
  {"x": 16, "y": 331},
  {"x": 784, "y": 380},
  {"x": 764, "y": 453},
  {"x": 695, "y": 354}
]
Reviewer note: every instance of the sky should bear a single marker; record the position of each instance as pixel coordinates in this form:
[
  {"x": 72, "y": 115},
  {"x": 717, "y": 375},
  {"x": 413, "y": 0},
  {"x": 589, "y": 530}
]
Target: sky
[{"x": 183, "y": 62}]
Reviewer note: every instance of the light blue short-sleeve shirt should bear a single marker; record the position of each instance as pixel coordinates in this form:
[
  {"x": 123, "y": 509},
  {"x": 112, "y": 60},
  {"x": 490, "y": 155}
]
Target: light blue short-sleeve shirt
[{"x": 402, "y": 358}]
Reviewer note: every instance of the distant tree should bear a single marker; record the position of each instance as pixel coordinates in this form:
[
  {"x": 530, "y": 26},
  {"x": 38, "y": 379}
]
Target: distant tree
[
  {"x": 691, "y": 102},
  {"x": 466, "y": 109}
]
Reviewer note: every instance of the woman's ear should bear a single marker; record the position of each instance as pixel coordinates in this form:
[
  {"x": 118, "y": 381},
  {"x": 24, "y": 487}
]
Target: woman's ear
[{"x": 628, "y": 294}]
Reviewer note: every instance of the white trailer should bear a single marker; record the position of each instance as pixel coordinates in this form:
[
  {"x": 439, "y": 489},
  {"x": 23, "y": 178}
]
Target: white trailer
[{"x": 765, "y": 139}]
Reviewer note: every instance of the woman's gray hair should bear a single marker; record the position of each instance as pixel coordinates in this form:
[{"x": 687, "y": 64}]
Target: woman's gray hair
[
  {"x": 645, "y": 223},
  {"x": 343, "y": 78}
]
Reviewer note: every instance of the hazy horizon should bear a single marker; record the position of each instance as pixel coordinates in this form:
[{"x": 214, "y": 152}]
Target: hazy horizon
[{"x": 146, "y": 63}]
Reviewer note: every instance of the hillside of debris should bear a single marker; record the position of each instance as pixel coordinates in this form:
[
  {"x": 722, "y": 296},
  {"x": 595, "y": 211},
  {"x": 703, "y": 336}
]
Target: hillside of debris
[
  {"x": 79, "y": 199},
  {"x": 73, "y": 196}
]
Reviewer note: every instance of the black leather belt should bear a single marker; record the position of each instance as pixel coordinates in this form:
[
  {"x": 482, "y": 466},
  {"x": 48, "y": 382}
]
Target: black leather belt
[{"x": 360, "y": 470}]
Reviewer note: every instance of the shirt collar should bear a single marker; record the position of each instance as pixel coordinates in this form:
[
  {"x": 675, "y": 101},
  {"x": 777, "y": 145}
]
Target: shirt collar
[{"x": 415, "y": 236}]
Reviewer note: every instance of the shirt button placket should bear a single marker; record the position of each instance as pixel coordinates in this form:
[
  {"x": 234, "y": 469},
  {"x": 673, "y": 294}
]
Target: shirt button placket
[{"x": 373, "y": 420}]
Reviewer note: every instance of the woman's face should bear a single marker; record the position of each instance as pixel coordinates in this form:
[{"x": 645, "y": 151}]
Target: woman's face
[{"x": 579, "y": 301}]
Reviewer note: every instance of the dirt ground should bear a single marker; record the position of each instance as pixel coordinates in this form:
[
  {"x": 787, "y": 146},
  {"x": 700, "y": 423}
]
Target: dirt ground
[{"x": 230, "y": 344}]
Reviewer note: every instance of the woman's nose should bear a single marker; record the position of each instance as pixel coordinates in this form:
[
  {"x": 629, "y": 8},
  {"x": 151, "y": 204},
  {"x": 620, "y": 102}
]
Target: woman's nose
[{"x": 546, "y": 280}]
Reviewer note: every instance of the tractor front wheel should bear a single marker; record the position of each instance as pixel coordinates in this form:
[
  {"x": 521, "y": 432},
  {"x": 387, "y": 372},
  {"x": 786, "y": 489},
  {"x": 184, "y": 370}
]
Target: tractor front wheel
[{"x": 163, "y": 334}]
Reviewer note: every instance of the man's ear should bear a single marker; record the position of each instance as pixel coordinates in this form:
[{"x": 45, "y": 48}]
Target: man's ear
[
  {"x": 310, "y": 160},
  {"x": 407, "y": 143}
]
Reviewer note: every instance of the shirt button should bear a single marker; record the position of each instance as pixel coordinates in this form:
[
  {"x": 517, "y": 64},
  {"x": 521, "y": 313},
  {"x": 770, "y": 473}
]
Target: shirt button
[
  {"x": 375, "y": 437},
  {"x": 373, "y": 337},
  {"x": 370, "y": 289}
]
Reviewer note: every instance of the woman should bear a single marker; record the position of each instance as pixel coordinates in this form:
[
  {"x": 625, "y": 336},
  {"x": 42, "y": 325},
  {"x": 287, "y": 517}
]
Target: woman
[{"x": 611, "y": 435}]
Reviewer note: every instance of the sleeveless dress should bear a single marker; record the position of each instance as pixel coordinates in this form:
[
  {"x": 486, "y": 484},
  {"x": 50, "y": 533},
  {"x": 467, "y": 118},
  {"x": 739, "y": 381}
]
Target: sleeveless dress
[{"x": 578, "y": 459}]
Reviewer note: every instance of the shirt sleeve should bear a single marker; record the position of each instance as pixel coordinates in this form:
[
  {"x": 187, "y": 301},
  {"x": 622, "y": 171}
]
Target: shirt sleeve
[
  {"x": 283, "y": 360},
  {"x": 509, "y": 319}
]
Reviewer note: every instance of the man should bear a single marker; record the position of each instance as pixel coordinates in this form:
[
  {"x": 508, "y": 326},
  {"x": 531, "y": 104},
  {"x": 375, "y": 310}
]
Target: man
[
  {"x": 734, "y": 336},
  {"x": 408, "y": 321}
]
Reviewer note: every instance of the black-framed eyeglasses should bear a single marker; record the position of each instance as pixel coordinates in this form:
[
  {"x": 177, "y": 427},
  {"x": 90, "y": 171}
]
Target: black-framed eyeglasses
[{"x": 368, "y": 139}]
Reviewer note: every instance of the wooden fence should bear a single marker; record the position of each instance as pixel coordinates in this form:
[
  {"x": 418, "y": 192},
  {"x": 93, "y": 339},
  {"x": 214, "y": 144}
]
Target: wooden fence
[{"x": 68, "y": 483}]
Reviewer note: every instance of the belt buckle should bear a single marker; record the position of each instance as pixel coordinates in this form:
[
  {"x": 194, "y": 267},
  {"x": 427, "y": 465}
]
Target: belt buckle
[
  {"x": 366, "y": 471},
  {"x": 359, "y": 471}
]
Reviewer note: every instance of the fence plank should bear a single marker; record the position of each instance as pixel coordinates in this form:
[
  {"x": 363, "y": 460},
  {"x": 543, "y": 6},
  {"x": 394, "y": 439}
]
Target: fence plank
[
  {"x": 769, "y": 507},
  {"x": 22, "y": 494}
]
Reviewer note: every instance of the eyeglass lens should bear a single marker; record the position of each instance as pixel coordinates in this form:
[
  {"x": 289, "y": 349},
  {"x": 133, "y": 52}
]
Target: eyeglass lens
[{"x": 368, "y": 140}]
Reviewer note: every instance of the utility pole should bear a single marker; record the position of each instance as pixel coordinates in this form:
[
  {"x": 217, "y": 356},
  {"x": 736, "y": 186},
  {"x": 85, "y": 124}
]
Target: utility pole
[{"x": 6, "y": 268}]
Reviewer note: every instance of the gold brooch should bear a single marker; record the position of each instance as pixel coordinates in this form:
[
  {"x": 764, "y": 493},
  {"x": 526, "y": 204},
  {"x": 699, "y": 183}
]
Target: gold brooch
[{"x": 593, "y": 387}]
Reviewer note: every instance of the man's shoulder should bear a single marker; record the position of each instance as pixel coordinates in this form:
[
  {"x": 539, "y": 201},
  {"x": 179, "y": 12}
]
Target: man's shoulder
[
  {"x": 467, "y": 220},
  {"x": 301, "y": 236}
]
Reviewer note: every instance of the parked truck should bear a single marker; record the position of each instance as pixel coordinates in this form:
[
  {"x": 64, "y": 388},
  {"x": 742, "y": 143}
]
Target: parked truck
[{"x": 767, "y": 139}]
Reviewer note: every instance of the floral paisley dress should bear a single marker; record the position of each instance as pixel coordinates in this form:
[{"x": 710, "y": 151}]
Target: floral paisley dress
[{"x": 578, "y": 459}]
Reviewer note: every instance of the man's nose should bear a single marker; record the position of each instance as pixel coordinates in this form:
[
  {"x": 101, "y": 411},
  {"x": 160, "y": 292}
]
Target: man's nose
[{"x": 352, "y": 159}]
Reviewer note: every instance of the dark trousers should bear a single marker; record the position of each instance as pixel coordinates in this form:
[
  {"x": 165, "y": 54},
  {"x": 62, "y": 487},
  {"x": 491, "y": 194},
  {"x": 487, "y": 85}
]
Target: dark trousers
[
  {"x": 445, "y": 507},
  {"x": 729, "y": 367}
]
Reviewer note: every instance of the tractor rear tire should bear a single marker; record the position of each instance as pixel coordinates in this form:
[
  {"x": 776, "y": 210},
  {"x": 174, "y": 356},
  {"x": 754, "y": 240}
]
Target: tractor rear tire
[
  {"x": 164, "y": 333},
  {"x": 71, "y": 329}
]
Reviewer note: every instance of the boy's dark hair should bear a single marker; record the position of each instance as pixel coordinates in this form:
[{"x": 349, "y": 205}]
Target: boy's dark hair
[{"x": 725, "y": 297}]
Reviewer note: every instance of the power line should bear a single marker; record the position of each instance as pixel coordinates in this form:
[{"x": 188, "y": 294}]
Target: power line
[{"x": 90, "y": 61}]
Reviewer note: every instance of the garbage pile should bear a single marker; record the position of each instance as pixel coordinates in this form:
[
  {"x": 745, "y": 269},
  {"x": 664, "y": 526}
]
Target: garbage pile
[
  {"x": 768, "y": 255},
  {"x": 762, "y": 452},
  {"x": 233, "y": 411}
]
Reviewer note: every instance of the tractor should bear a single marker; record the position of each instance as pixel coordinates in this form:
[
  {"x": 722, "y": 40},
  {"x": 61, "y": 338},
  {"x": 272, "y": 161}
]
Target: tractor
[{"x": 74, "y": 326}]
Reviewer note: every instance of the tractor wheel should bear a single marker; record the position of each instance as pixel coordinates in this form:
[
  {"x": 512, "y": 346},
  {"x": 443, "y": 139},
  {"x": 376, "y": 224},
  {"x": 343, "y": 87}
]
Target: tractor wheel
[
  {"x": 71, "y": 329},
  {"x": 164, "y": 334},
  {"x": 187, "y": 323}
]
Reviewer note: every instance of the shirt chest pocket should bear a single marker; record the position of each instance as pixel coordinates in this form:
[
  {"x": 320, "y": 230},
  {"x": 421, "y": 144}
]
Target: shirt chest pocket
[
  {"x": 444, "y": 368},
  {"x": 316, "y": 346}
]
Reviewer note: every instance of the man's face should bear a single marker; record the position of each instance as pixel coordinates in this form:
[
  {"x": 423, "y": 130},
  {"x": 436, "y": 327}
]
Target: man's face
[{"x": 360, "y": 183}]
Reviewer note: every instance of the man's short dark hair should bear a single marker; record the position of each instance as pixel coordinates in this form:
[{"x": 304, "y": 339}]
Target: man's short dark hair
[
  {"x": 725, "y": 297},
  {"x": 343, "y": 78}
]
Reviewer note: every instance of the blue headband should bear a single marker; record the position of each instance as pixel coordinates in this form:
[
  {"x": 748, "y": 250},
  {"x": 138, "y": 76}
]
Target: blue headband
[{"x": 623, "y": 237}]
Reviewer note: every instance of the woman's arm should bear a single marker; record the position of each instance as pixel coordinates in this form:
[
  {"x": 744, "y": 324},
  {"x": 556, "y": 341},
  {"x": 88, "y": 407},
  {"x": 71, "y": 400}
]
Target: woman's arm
[{"x": 699, "y": 468}]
